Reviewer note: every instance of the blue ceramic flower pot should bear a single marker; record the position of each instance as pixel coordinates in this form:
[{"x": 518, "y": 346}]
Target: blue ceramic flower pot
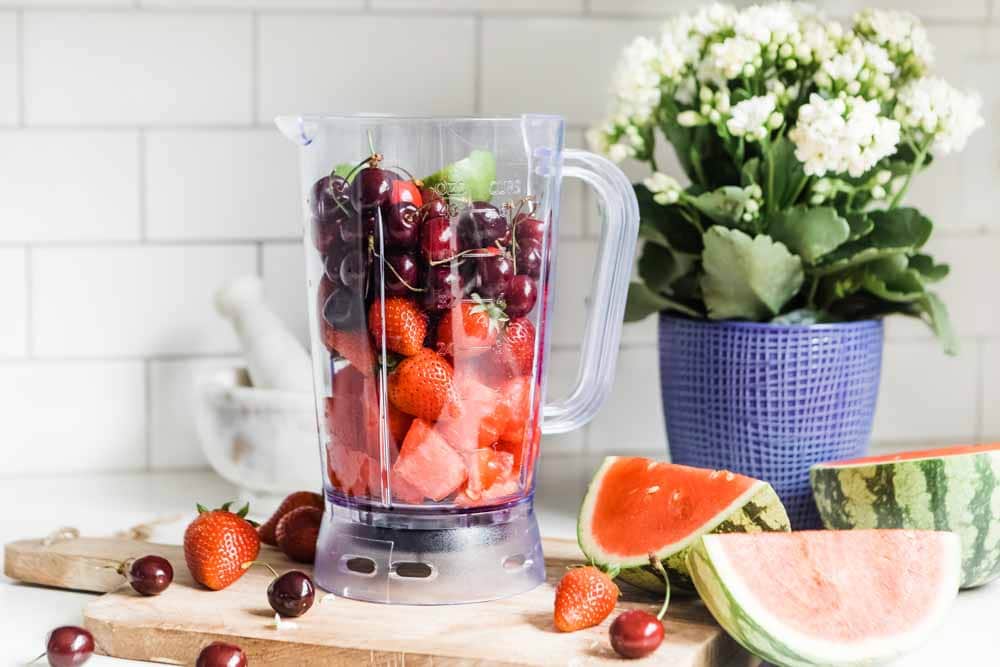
[{"x": 769, "y": 400}]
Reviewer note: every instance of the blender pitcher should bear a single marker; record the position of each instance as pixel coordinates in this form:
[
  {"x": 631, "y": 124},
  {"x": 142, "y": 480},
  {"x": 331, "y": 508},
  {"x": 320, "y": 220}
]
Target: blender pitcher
[{"x": 431, "y": 250}]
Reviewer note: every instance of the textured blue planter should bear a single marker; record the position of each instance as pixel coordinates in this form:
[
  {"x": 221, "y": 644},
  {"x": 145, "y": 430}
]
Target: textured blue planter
[{"x": 769, "y": 400}]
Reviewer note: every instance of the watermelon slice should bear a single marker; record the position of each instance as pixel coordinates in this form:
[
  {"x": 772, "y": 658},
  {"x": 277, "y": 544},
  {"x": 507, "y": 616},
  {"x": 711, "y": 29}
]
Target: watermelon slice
[
  {"x": 828, "y": 597},
  {"x": 637, "y": 506},
  {"x": 427, "y": 464},
  {"x": 952, "y": 488}
]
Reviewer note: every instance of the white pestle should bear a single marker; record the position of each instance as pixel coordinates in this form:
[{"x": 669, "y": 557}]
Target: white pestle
[{"x": 275, "y": 358}]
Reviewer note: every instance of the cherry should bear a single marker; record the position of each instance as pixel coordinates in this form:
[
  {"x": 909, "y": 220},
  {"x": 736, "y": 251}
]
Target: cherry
[
  {"x": 405, "y": 191},
  {"x": 354, "y": 229},
  {"x": 521, "y": 295},
  {"x": 221, "y": 654},
  {"x": 636, "y": 634},
  {"x": 371, "y": 187},
  {"x": 435, "y": 208},
  {"x": 149, "y": 575},
  {"x": 482, "y": 224},
  {"x": 68, "y": 646},
  {"x": 437, "y": 239},
  {"x": 328, "y": 196},
  {"x": 527, "y": 227},
  {"x": 529, "y": 257},
  {"x": 353, "y": 270},
  {"x": 402, "y": 275},
  {"x": 494, "y": 271},
  {"x": 443, "y": 287},
  {"x": 344, "y": 309},
  {"x": 291, "y": 594},
  {"x": 402, "y": 225}
]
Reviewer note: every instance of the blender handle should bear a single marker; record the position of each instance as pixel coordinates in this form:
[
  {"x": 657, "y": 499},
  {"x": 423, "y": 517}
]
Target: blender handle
[{"x": 609, "y": 290}]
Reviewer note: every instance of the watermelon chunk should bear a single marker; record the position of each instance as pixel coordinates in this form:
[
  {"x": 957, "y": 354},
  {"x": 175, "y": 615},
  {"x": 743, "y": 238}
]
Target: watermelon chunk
[
  {"x": 950, "y": 488},
  {"x": 348, "y": 469},
  {"x": 428, "y": 464},
  {"x": 637, "y": 506},
  {"x": 833, "y": 598},
  {"x": 486, "y": 466},
  {"x": 473, "y": 416}
]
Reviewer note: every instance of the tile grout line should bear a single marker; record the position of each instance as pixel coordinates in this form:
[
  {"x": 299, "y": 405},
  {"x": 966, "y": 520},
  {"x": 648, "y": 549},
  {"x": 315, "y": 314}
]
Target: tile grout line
[
  {"x": 29, "y": 297},
  {"x": 980, "y": 389},
  {"x": 19, "y": 37},
  {"x": 260, "y": 259},
  {"x": 147, "y": 369},
  {"x": 143, "y": 187},
  {"x": 255, "y": 68}
]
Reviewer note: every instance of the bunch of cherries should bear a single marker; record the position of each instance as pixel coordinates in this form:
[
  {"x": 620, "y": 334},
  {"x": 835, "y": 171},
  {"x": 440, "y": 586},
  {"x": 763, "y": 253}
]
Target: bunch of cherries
[{"x": 386, "y": 227}]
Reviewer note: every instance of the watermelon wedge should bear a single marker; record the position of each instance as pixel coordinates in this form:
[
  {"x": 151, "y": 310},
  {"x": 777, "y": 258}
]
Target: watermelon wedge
[
  {"x": 637, "y": 506},
  {"x": 951, "y": 488},
  {"x": 834, "y": 598}
]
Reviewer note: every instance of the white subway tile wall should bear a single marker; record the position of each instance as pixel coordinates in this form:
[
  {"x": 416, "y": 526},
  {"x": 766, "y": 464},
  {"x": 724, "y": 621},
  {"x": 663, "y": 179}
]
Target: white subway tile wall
[{"x": 139, "y": 171}]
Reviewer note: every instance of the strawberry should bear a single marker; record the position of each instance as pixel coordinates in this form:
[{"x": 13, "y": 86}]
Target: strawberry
[
  {"x": 297, "y": 533},
  {"x": 399, "y": 424},
  {"x": 351, "y": 345},
  {"x": 291, "y": 501},
  {"x": 217, "y": 544},
  {"x": 469, "y": 329},
  {"x": 405, "y": 325},
  {"x": 421, "y": 385},
  {"x": 585, "y": 596},
  {"x": 516, "y": 348}
]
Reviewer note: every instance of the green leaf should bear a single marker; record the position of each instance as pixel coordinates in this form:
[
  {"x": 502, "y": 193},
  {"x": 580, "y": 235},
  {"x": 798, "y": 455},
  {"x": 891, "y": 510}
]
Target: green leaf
[
  {"x": 666, "y": 225},
  {"x": 747, "y": 278},
  {"x": 643, "y": 302},
  {"x": 928, "y": 270},
  {"x": 748, "y": 173},
  {"x": 860, "y": 224},
  {"x": 804, "y": 316},
  {"x": 724, "y": 205},
  {"x": 937, "y": 316},
  {"x": 659, "y": 267},
  {"x": 343, "y": 169},
  {"x": 783, "y": 175},
  {"x": 900, "y": 230},
  {"x": 652, "y": 234},
  {"x": 809, "y": 232}
]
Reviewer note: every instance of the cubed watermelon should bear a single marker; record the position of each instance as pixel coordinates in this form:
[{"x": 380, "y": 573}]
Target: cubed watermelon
[
  {"x": 486, "y": 466},
  {"x": 473, "y": 416},
  {"x": 428, "y": 464}
]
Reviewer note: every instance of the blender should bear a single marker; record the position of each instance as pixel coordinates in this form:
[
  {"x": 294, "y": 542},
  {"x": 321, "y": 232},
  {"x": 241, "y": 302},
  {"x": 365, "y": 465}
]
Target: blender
[{"x": 431, "y": 250}]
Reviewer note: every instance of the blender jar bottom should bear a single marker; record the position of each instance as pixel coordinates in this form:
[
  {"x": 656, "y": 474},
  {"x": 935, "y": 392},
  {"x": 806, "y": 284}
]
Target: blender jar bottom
[{"x": 405, "y": 564}]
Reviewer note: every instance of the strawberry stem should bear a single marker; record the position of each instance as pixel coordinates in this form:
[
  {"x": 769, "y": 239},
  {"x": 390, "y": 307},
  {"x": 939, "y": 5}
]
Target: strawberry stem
[{"x": 658, "y": 566}]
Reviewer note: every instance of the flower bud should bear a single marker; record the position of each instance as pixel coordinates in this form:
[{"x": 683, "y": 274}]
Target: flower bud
[
  {"x": 878, "y": 192},
  {"x": 883, "y": 177},
  {"x": 775, "y": 120},
  {"x": 689, "y": 119},
  {"x": 714, "y": 116}
]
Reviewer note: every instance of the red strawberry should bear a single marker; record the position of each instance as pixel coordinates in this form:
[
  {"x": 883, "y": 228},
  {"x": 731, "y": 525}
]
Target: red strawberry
[
  {"x": 421, "y": 385},
  {"x": 469, "y": 329},
  {"x": 405, "y": 325},
  {"x": 351, "y": 345},
  {"x": 585, "y": 596},
  {"x": 516, "y": 348},
  {"x": 217, "y": 544},
  {"x": 297, "y": 533},
  {"x": 291, "y": 501}
]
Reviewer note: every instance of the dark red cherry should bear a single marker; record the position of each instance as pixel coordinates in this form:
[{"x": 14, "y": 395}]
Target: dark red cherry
[
  {"x": 357, "y": 228},
  {"x": 437, "y": 239},
  {"x": 69, "y": 646},
  {"x": 353, "y": 271},
  {"x": 344, "y": 309},
  {"x": 328, "y": 196},
  {"x": 435, "y": 208},
  {"x": 442, "y": 288},
  {"x": 402, "y": 275},
  {"x": 521, "y": 296},
  {"x": 221, "y": 654},
  {"x": 291, "y": 594},
  {"x": 150, "y": 575},
  {"x": 529, "y": 257},
  {"x": 527, "y": 227},
  {"x": 482, "y": 224},
  {"x": 494, "y": 271},
  {"x": 371, "y": 187},
  {"x": 636, "y": 634},
  {"x": 402, "y": 225}
]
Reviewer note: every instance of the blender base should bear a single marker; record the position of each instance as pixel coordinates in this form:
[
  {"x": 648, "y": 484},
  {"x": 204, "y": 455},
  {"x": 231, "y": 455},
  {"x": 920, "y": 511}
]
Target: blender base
[{"x": 399, "y": 558}]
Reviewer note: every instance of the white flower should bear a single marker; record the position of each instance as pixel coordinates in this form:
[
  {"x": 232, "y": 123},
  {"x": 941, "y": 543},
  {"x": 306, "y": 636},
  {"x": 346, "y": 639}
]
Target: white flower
[
  {"x": 845, "y": 134},
  {"x": 900, "y": 33},
  {"x": 665, "y": 189},
  {"x": 617, "y": 152},
  {"x": 932, "y": 108},
  {"x": 752, "y": 117},
  {"x": 690, "y": 118},
  {"x": 712, "y": 19},
  {"x": 858, "y": 67},
  {"x": 761, "y": 23},
  {"x": 637, "y": 80},
  {"x": 727, "y": 59}
]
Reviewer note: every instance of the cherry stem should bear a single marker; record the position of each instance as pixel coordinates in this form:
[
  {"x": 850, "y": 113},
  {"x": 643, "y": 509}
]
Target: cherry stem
[
  {"x": 406, "y": 172},
  {"x": 249, "y": 564},
  {"x": 453, "y": 257},
  {"x": 658, "y": 566},
  {"x": 371, "y": 142},
  {"x": 31, "y": 662},
  {"x": 396, "y": 273}
]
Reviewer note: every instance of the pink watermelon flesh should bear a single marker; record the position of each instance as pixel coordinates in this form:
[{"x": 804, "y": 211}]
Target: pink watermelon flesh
[
  {"x": 427, "y": 464},
  {"x": 845, "y": 585},
  {"x": 957, "y": 450}
]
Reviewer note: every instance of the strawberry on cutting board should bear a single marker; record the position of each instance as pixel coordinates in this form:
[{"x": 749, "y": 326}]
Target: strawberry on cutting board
[
  {"x": 585, "y": 596},
  {"x": 292, "y": 501},
  {"x": 298, "y": 531},
  {"x": 217, "y": 544}
]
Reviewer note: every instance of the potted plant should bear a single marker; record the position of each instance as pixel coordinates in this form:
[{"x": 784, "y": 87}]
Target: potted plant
[{"x": 772, "y": 268}]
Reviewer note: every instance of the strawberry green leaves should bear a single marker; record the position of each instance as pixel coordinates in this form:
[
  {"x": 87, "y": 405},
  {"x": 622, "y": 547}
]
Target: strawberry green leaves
[{"x": 747, "y": 278}]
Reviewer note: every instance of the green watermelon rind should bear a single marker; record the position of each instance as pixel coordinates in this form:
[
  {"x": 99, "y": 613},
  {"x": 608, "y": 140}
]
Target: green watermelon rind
[
  {"x": 758, "y": 509},
  {"x": 959, "y": 493},
  {"x": 762, "y": 634}
]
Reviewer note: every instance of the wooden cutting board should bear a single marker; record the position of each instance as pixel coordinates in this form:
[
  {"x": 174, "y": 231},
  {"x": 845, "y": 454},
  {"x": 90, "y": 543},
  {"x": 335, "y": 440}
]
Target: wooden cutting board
[{"x": 174, "y": 626}]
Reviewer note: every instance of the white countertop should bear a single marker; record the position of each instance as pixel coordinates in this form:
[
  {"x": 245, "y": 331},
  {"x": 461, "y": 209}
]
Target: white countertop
[{"x": 104, "y": 504}]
